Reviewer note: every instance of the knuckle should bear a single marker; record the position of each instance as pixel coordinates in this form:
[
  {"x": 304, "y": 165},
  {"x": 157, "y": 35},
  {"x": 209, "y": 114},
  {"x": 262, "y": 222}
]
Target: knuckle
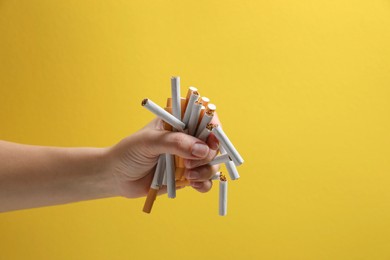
[{"x": 178, "y": 140}]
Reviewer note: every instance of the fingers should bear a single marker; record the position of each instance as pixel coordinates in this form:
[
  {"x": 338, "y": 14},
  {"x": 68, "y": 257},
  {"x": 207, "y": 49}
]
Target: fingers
[
  {"x": 204, "y": 186},
  {"x": 202, "y": 173},
  {"x": 181, "y": 144}
]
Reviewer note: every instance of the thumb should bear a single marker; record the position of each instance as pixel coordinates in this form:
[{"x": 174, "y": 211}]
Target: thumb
[{"x": 180, "y": 144}]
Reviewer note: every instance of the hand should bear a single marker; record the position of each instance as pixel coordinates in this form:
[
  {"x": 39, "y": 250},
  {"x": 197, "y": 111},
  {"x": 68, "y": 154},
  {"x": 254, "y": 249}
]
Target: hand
[{"x": 132, "y": 161}]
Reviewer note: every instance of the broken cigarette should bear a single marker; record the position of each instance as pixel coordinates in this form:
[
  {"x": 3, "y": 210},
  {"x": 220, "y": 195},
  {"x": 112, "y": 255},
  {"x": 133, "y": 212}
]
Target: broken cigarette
[
  {"x": 223, "y": 195},
  {"x": 230, "y": 166},
  {"x": 222, "y": 158},
  {"x": 216, "y": 176},
  {"x": 229, "y": 147},
  {"x": 164, "y": 115}
]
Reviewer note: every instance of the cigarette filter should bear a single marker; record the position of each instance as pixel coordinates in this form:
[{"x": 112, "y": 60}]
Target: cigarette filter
[
  {"x": 150, "y": 198},
  {"x": 176, "y": 107},
  {"x": 225, "y": 142},
  {"x": 223, "y": 195},
  {"x": 182, "y": 183},
  {"x": 193, "y": 98},
  {"x": 164, "y": 115},
  {"x": 222, "y": 158},
  {"x": 193, "y": 122},
  {"x": 230, "y": 166},
  {"x": 205, "y": 101},
  {"x": 170, "y": 166}
]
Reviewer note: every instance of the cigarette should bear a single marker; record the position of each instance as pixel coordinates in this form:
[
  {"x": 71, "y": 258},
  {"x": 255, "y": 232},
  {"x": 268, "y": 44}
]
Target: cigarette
[
  {"x": 229, "y": 147},
  {"x": 230, "y": 166},
  {"x": 175, "y": 87},
  {"x": 216, "y": 176},
  {"x": 206, "y": 119},
  {"x": 170, "y": 166},
  {"x": 222, "y": 195},
  {"x": 193, "y": 98},
  {"x": 167, "y": 126},
  {"x": 158, "y": 173},
  {"x": 206, "y": 132},
  {"x": 164, "y": 182},
  {"x": 182, "y": 183},
  {"x": 150, "y": 198},
  {"x": 183, "y": 106},
  {"x": 190, "y": 91},
  {"x": 204, "y": 101},
  {"x": 193, "y": 122},
  {"x": 179, "y": 172},
  {"x": 223, "y": 158},
  {"x": 164, "y": 115}
]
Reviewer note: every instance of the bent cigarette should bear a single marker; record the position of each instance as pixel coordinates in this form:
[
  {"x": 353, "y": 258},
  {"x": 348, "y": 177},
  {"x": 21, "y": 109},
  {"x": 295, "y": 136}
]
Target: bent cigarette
[
  {"x": 193, "y": 98},
  {"x": 223, "y": 158},
  {"x": 150, "y": 198},
  {"x": 164, "y": 115},
  {"x": 175, "y": 87},
  {"x": 223, "y": 185},
  {"x": 230, "y": 167},
  {"x": 206, "y": 119},
  {"x": 170, "y": 166},
  {"x": 193, "y": 122},
  {"x": 159, "y": 173},
  {"x": 225, "y": 142}
]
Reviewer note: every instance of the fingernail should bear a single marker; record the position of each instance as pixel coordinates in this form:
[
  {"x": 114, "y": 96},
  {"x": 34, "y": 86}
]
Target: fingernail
[
  {"x": 192, "y": 175},
  {"x": 200, "y": 150},
  {"x": 196, "y": 184}
]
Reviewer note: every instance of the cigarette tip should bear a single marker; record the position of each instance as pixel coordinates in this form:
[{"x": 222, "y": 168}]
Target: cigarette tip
[
  {"x": 144, "y": 101},
  {"x": 222, "y": 177}
]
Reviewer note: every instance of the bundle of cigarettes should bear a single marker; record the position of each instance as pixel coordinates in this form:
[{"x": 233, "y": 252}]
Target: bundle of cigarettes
[{"x": 191, "y": 115}]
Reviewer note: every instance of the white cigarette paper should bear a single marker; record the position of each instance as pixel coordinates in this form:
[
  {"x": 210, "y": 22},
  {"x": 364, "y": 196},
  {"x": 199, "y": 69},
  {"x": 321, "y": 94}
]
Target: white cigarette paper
[
  {"x": 193, "y": 122},
  {"x": 230, "y": 167},
  {"x": 222, "y": 158},
  {"x": 204, "y": 134},
  {"x": 159, "y": 173},
  {"x": 229, "y": 147},
  {"x": 206, "y": 119},
  {"x": 176, "y": 107},
  {"x": 216, "y": 176},
  {"x": 193, "y": 98},
  {"x": 223, "y": 185},
  {"x": 170, "y": 166},
  {"x": 164, "y": 115}
]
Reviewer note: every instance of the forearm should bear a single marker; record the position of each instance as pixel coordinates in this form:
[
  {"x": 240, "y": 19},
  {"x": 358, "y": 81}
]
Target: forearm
[{"x": 34, "y": 176}]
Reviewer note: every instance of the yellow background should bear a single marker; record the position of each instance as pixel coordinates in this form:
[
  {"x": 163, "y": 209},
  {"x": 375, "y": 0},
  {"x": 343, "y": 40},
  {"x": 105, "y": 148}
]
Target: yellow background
[{"x": 302, "y": 88}]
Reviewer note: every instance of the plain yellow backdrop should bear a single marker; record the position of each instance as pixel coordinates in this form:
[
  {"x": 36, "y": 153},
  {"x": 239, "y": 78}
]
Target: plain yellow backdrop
[{"x": 303, "y": 91}]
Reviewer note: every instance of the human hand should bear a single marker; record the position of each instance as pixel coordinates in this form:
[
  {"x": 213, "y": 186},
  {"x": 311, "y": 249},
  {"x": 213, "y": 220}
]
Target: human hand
[{"x": 132, "y": 161}]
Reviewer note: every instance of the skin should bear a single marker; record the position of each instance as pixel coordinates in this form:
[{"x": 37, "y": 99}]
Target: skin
[{"x": 36, "y": 176}]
